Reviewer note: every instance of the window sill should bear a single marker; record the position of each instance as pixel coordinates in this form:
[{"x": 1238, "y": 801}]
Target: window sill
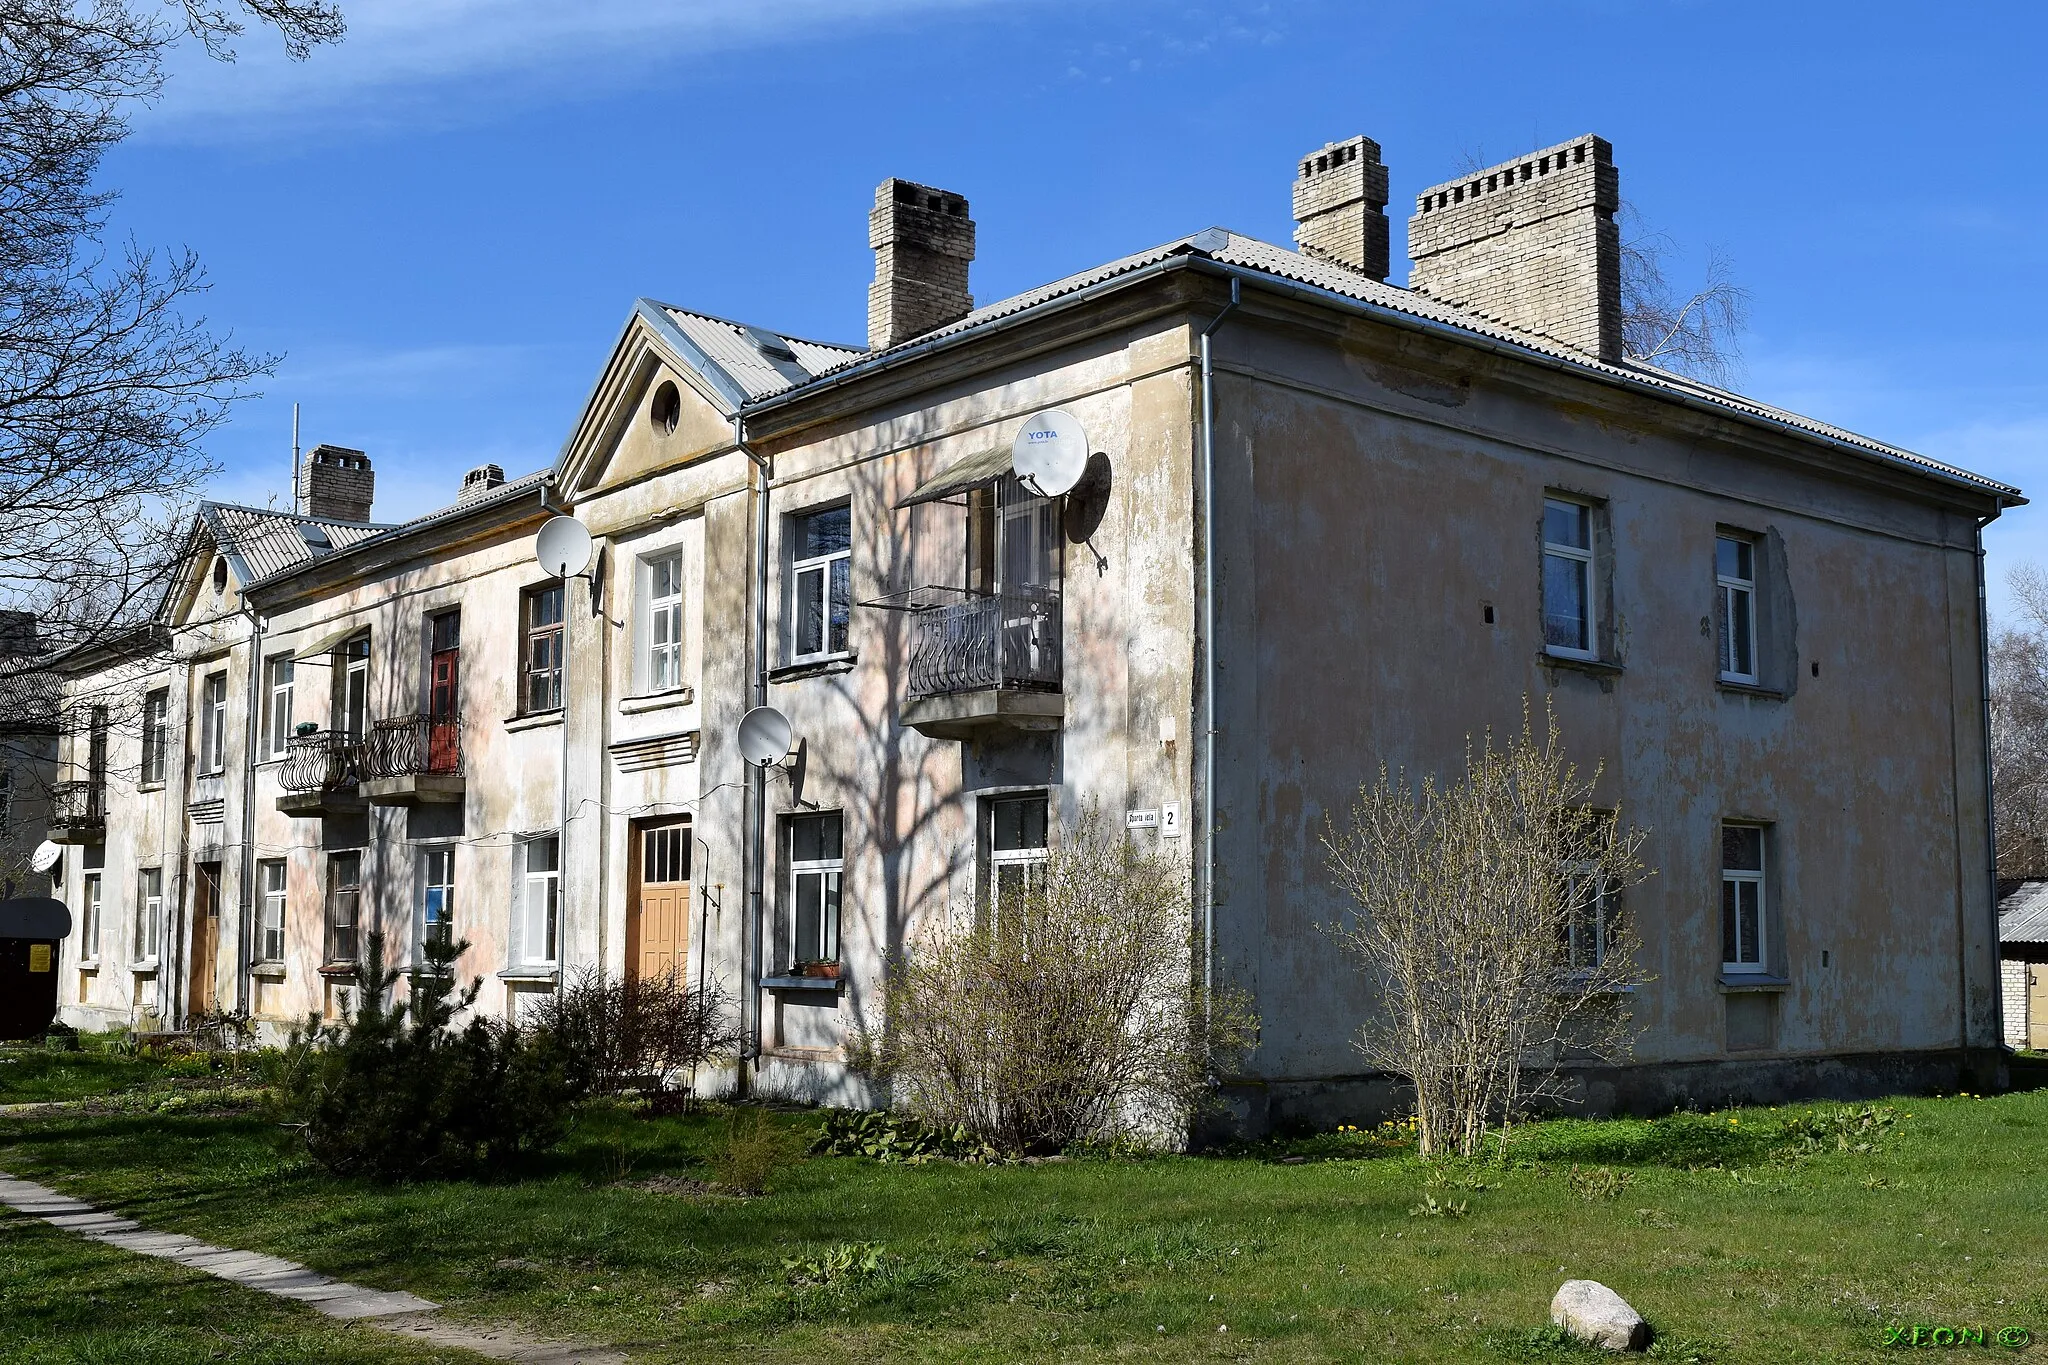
[
  {"x": 1599, "y": 668},
  {"x": 91, "y": 968},
  {"x": 821, "y": 666},
  {"x": 535, "y": 976},
  {"x": 273, "y": 761},
  {"x": 339, "y": 971},
  {"x": 1736, "y": 687},
  {"x": 533, "y": 720},
  {"x": 656, "y": 701},
  {"x": 803, "y": 983},
  {"x": 1748, "y": 983},
  {"x": 267, "y": 971},
  {"x": 146, "y": 967},
  {"x": 149, "y": 786}
]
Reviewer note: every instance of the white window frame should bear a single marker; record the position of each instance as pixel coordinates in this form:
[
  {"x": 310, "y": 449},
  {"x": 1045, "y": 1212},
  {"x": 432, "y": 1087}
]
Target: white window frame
[
  {"x": 92, "y": 909},
  {"x": 1738, "y": 879},
  {"x": 335, "y": 891},
  {"x": 821, "y": 565},
  {"x": 350, "y": 664},
  {"x": 270, "y": 927},
  {"x": 1586, "y": 558},
  {"x": 530, "y": 635},
  {"x": 436, "y": 861},
  {"x": 1606, "y": 905},
  {"x": 278, "y": 677},
  {"x": 149, "y": 913},
  {"x": 831, "y": 875},
  {"x": 156, "y": 724},
  {"x": 1735, "y": 599},
  {"x": 213, "y": 724},
  {"x": 540, "y": 903},
  {"x": 662, "y": 622},
  {"x": 1031, "y": 860}
]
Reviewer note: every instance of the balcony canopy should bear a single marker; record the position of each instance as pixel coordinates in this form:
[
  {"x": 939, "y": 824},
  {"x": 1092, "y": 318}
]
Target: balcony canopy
[
  {"x": 328, "y": 642},
  {"x": 961, "y": 475}
]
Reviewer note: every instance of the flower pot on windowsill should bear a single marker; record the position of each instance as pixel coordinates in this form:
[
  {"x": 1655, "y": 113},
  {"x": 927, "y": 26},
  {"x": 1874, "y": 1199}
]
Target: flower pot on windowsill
[
  {"x": 306, "y": 727},
  {"x": 824, "y": 971}
]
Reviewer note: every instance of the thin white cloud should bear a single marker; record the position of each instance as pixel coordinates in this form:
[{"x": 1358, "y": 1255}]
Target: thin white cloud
[{"x": 402, "y": 373}]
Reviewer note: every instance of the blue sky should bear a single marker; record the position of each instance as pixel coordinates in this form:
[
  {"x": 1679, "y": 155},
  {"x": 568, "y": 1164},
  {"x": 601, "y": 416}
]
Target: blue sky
[{"x": 444, "y": 223}]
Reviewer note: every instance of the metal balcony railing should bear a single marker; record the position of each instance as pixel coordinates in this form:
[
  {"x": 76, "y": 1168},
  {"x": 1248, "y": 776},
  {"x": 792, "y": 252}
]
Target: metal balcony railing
[
  {"x": 323, "y": 761},
  {"x": 77, "y": 803},
  {"x": 413, "y": 746},
  {"x": 974, "y": 642}
]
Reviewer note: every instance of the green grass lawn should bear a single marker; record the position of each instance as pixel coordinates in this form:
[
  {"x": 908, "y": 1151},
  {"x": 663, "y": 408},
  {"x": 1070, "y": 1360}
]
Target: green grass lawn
[
  {"x": 30, "y": 1074},
  {"x": 1734, "y": 1251}
]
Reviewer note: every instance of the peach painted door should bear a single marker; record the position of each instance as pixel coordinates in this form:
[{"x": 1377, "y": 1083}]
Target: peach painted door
[
  {"x": 205, "y": 936},
  {"x": 658, "y": 929}
]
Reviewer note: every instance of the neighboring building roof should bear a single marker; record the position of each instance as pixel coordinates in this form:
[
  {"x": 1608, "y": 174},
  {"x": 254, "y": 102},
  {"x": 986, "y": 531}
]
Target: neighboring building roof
[
  {"x": 1336, "y": 284},
  {"x": 2023, "y": 914},
  {"x": 31, "y": 694},
  {"x": 261, "y": 541}
]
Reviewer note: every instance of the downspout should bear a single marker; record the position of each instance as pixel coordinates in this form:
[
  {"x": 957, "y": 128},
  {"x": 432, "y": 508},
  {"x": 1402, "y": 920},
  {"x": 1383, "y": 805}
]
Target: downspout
[
  {"x": 751, "y": 933},
  {"x": 250, "y": 728},
  {"x": 1990, "y": 812},
  {"x": 563, "y": 881},
  {"x": 1209, "y": 648}
]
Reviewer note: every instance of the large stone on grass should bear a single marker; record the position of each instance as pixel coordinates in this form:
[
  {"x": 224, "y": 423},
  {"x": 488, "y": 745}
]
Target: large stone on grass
[{"x": 1592, "y": 1312}]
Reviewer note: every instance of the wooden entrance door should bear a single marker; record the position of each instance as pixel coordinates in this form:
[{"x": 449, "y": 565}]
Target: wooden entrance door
[
  {"x": 2037, "y": 1006},
  {"x": 199, "y": 996},
  {"x": 658, "y": 919}
]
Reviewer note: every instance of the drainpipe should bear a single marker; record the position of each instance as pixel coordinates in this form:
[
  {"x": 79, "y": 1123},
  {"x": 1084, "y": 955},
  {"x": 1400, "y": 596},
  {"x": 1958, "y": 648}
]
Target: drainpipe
[
  {"x": 563, "y": 881},
  {"x": 251, "y": 732},
  {"x": 1209, "y": 648},
  {"x": 751, "y": 931},
  {"x": 1990, "y": 816}
]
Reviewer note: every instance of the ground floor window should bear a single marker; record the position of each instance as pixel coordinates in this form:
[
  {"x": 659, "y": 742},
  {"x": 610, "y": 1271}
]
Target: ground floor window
[
  {"x": 270, "y": 935},
  {"x": 344, "y": 904},
  {"x": 540, "y": 899},
  {"x": 89, "y": 907},
  {"x": 1016, "y": 855},
  {"x": 815, "y": 864},
  {"x": 437, "y": 897},
  {"x": 1590, "y": 912},
  {"x": 1742, "y": 898},
  {"x": 149, "y": 912}
]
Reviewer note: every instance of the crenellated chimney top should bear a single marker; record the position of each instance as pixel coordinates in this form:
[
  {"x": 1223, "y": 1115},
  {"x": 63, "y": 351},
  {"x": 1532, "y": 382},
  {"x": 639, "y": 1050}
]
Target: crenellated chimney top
[
  {"x": 1340, "y": 202},
  {"x": 923, "y": 242},
  {"x": 336, "y": 484},
  {"x": 480, "y": 481}
]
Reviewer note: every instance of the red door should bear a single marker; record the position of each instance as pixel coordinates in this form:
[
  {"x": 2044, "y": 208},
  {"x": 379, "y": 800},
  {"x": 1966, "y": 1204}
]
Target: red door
[{"x": 444, "y": 738}]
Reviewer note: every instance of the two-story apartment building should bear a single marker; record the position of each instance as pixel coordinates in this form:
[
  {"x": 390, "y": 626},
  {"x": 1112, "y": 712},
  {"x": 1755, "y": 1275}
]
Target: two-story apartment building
[{"x": 1326, "y": 523}]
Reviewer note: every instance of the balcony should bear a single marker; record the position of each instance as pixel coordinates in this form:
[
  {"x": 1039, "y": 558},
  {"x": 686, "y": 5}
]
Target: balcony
[
  {"x": 78, "y": 812},
  {"x": 983, "y": 661},
  {"x": 321, "y": 774},
  {"x": 413, "y": 760}
]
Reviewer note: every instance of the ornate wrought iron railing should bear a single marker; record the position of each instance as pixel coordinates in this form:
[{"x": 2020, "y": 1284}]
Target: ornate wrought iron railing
[
  {"x": 411, "y": 746},
  {"x": 322, "y": 761},
  {"x": 82, "y": 802},
  {"x": 979, "y": 641}
]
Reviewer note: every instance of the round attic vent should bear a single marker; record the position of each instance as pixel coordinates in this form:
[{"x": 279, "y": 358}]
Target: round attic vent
[
  {"x": 667, "y": 408},
  {"x": 220, "y": 573}
]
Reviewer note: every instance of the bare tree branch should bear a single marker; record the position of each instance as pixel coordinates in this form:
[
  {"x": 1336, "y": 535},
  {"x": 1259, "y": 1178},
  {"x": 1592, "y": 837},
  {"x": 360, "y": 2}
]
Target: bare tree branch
[{"x": 1695, "y": 335}]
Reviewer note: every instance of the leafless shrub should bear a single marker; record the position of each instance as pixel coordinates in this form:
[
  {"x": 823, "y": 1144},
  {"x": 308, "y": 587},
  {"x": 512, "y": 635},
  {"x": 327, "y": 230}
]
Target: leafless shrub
[
  {"x": 1490, "y": 918},
  {"x": 2019, "y": 730},
  {"x": 1075, "y": 1015},
  {"x": 638, "y": 1032}
]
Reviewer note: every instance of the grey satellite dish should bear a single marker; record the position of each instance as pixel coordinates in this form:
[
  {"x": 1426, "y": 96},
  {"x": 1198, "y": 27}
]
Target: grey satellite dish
[
  {"x": 563, "y": 546},
  {"x": 46, "y": 856},
  {"x": 764, "y": 736},
  {"x": 1050, "y": 452}
]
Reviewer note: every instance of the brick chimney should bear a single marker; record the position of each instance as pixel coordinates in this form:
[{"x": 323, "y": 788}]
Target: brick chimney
[
  {"x": 480, "y": 481},
  {"x": 1340, "y": 201},
  {"x": 1530, "y": 243},
  {"x": 336, "y": 484},
  {"x": 923, "y": 241}
]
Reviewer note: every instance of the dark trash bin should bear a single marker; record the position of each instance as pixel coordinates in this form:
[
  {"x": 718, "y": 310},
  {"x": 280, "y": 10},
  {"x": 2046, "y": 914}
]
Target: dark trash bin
[{"x": 32, "y": 929}]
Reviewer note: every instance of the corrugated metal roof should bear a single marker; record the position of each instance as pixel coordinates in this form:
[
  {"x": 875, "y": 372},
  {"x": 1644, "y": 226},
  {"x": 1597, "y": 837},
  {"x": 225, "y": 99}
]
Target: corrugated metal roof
[
  {"x": 267, "y": 541},
  {"x": 2023, "y": 915},
  {"x": 1249, "y": 253},
  {"x": 747, "y": 354}
]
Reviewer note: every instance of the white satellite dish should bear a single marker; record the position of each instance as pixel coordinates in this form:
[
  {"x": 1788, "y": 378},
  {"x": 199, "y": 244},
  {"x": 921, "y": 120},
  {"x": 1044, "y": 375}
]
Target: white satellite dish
[
  {"x": 764, "y": 736},
  {"x": 46, "y": 856},
  {"x": 563, "y": 546},
  {"x": 1050, "y": 452}
]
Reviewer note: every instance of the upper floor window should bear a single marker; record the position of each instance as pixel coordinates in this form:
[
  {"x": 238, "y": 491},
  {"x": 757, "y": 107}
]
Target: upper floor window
[
  {"x": 350, "y": 708},
  {"x": 1570, "y": 611},
  {"x": 156, "y": 708},
  {"x": 1735, "y": 607},
  {"x": 815, "y": 864},
  {"x": 213, "y": 724},
  {"x": 1742, "y": 898},
  {"x": 149, "y": 912},
  {"x": 540, "y": 660},
  {"x": 665, "y": 623},
  {"x": 270, "y": 935},
  {"x": 821, "y": 601},
  {"x": 277, "y": 703}
]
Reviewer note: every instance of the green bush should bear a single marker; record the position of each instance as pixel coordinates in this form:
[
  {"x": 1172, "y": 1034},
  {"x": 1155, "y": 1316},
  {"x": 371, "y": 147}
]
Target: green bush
[
  {"x": 755, "y": 1149},
  {"x": 398, "y": 1093},
  {"x": 882, "y": 1136}
]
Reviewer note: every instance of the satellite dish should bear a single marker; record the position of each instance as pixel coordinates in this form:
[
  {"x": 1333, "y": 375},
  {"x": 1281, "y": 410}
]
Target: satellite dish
[
  {"x": 1050, "y": 452},
  {"x": 764, "y": 736},
  {"x": 46, "y": 856},
  {"x": 563, "y": 547}
]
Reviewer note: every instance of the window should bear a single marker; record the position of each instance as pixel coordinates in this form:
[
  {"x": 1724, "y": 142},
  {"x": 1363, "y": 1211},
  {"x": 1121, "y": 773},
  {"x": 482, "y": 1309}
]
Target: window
[
  {"x": 344, "y": 904},
  {"x": 665, "y": 623},
  {"x": 350, "y": 707},
  {"x": 541, "y": 898},
  {"x": 213, "y": 724},
  {"x": 814, "y": 867},
  {"x": 1568, "y": 607},
  {"x": 437, "y": 896},
  {"x": 92, "y": 908},
  {"x": 277, "y": 702},
  {"x": 541, "y": 655},
  {"x": 149, "y": 913},
  {"x": 1591, "y": 916},
  {"x": 1735, "y": 607},
  {"x": 1742, "y": 898},
  {"x": 1017, "y": 853},
  {"x": 156, "y": 707},
  {"x": 822, "y": 597},
  {"x": 270, "y": 932}
]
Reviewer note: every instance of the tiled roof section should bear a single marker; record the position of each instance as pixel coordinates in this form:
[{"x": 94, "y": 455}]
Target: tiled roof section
[
  {"x": 268, "y": 541},
  {"x": 759, "y": 361},
  {"x": 2023, "y": 914},
  {"x": 1250, "y": 253},
  {"x": 31, "y": 693}
]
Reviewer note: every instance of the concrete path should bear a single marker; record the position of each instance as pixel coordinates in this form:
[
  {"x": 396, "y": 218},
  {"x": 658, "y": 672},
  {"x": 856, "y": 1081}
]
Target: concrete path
[{"x": 405, "y": 1314}]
